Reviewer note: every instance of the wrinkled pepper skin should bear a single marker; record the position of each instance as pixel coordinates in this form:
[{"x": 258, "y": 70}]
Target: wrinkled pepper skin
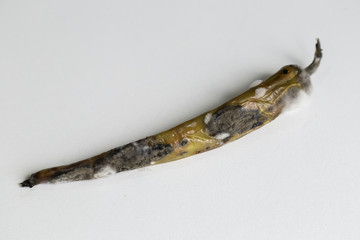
[{"x": 241, "y": 115}]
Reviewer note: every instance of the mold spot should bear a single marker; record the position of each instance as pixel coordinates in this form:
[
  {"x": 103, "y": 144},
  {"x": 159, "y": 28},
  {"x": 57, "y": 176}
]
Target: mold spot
[
  {"x": 222, "y": 136},
  {"x": 207, "y": 118},
  {"x": 232, "y": 120},
  {"x": 225, "y": 140},
  {"x": 106, "y": 171},
  {"x": 76, "y": 174},
  {"x": 182, "y": 153},
  {"x": 184, "y": 142},
  {"x": 260, "y": 92},
  {"x": 257, "y": 124},
  {"x": 134, "y": 155},
  {"x": 293, "y": 92}
]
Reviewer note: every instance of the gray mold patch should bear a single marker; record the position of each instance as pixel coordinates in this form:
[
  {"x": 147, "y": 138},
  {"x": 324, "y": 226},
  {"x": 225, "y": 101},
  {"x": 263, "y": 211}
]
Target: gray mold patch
[
  {"x": 78, "y": 173},
  {"x": 284, "y": 102},
  {"x": 293, "y": 92},
  {"x": 133, "y": 155},
  {"x": 234, "y": 119},
  {"x": 304, "y": 79}
]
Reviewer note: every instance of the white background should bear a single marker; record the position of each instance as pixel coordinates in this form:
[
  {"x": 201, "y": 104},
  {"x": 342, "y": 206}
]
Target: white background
[{"x": 80, "y": 77}]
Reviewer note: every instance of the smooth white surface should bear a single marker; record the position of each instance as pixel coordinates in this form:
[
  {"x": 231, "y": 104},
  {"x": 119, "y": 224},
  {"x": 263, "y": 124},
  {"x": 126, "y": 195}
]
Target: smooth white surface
[{"x": 81, "y": 77}]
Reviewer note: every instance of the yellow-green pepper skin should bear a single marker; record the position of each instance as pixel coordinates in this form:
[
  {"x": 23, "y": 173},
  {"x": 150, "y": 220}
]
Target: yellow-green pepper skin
[{"x": 241, "y": 115}]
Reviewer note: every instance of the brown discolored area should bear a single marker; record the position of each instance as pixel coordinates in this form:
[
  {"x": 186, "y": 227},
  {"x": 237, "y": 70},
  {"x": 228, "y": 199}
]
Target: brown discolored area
[{"x": 81, "y": 170}]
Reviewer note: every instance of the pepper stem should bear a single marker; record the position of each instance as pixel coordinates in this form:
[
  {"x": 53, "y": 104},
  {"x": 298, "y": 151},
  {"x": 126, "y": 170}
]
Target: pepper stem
[{"x": 317, "y": 58}]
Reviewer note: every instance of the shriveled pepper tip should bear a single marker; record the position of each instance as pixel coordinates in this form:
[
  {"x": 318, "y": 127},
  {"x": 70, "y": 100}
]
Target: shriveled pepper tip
[{"x": 26, "y": 183}]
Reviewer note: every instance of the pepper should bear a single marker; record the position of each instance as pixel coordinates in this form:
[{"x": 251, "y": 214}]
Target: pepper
[{"x": 241, "y": 115}]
